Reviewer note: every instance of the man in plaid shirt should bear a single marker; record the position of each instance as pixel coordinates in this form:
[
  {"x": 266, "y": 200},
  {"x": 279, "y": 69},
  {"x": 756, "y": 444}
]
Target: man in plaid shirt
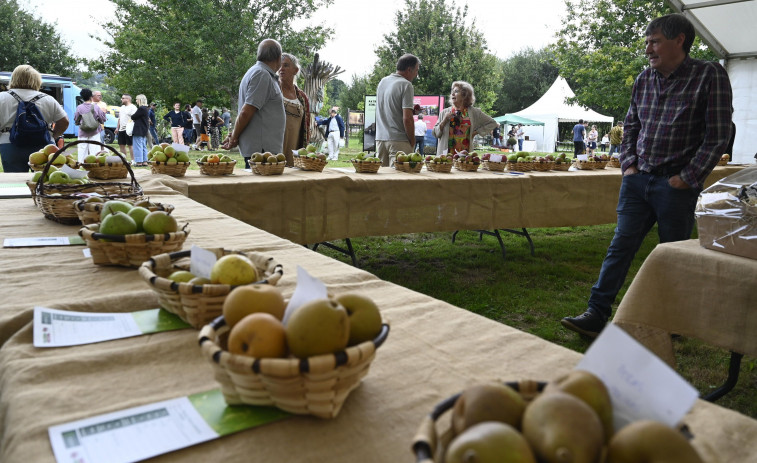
[{"x": 677, "y": 127}]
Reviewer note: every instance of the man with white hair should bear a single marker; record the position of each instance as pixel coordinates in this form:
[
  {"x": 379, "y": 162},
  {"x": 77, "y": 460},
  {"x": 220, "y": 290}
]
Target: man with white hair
[{"x": 261, "y": 121}]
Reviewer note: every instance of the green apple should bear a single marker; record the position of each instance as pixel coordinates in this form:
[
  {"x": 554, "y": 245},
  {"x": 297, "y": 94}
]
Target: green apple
[
  {"x": 159, "y": 156},
  {"x": 113, "y": 206},
  {"x": 416, "y": 157},
  {"x": 169, "y": 151},
  {"x": 172, "y": 161},
  {"x": 360, "y": 156},
  {"x": 38, "y": 158},
  {"x": 59, "y": 177},
  {"x": 310, "y": 148},
  {"x": 365, "y": 319},
  {"x": 90, "y": 159},
  {"x": 138, "y": 214},
  {"x": 36, "y": 176},
  {"x": 318, "y": 327},
  {"x": 102, "y": 159},
  {"x": 118, "y": 223},
  {"x": 258, "y": 157},
  {"x": 159, "y": 222},
  {"x": 490, "y": 442},
  {"x": 59, "y": 161},
  {"x": 302, "y": 152},
  {"x": 182, "y": 157},
  {"x": 181, "y": 276}
]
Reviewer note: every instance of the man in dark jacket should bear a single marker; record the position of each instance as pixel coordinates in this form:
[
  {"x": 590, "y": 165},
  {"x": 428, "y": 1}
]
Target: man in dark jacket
[{"x": 334, "y": 132}]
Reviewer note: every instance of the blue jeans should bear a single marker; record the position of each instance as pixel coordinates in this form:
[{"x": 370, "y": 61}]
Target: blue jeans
[
  {"x": 420, "y": 143},
  {"x": 140, "y": 148},
  {"x": 644, "y": 200},
  {"x": 520, "y": 144},
  {"x": 154, "y": 134},
  {"x": 614, "y": 148}
]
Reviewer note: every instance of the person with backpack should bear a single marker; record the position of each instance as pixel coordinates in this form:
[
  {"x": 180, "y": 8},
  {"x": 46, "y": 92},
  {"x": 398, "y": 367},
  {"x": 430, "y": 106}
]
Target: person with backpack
[
  {"x": 88, "y": 116},
  {"x": 25, "y": 117}
]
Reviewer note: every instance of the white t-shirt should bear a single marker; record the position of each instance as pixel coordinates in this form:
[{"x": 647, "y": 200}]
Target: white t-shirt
[
  {"x": 393, "y": 95},
  {"x": 420, "y": 128},
  {"x": 196, "y": 115},
  {"x": 124, "y": 116},
  {"x": 50, "y": 109}
]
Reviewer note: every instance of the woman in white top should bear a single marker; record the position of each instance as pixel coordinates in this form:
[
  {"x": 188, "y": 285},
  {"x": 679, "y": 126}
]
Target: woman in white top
[
  {"x": 26, "y": 82},
  {"x": 88, "y": 107},
  {"x": 296, "y": 107},
  {"x": 591, "y": 144}
]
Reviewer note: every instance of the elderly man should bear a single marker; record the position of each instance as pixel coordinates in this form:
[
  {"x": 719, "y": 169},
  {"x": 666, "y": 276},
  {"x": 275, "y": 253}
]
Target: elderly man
[
  {"x": 677, "y": 127},
  {"x": 395, "y": 126},
  {"x": 124, "y": 118},
  {"x": 261, "y": 121}
]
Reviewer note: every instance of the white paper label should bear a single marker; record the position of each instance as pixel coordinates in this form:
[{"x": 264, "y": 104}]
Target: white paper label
[
  {"x": 495, "y": 158},
  {"x": 87, "y": 252},
  {"x": 583, "y": 157},
  {"x": 73, "y": 173},
  {"x": 308, "y": 288},
  {"x": 131, "y": 435},
  {"x": 113, "y": 160},
  {"x": 38, "y": 241},
  {"x": 201, "y": 261},
  {"x": 182, "y": 148},
  {"x": 58, "y": 328},
  {"x": 641, "y": 386}
]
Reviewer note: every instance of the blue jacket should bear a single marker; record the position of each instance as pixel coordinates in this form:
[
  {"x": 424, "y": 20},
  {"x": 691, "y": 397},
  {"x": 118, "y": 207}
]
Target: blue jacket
[{"x": 339, "y": 122}]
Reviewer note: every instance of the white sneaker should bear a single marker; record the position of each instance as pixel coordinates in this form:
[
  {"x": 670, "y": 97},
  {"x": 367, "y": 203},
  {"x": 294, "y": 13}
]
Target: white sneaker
[{"x": 248, "y": 170}]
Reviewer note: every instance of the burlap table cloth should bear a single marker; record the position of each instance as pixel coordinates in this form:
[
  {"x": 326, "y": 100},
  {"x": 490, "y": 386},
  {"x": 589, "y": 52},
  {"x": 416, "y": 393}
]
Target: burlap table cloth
[
  {"x": 433, "y": 351},
  {"x": 686, "y": 289},
  {"x": 311, "y": 207}
]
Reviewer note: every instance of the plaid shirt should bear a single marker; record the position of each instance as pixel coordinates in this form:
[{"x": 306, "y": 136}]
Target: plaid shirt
[{"x": 682, "y": 122}]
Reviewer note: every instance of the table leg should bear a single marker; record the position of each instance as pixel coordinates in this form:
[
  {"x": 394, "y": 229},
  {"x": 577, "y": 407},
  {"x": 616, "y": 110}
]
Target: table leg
[{"x": 734, "y": 366}]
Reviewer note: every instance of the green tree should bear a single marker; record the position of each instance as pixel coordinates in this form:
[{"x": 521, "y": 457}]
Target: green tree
[
  {"x": 600, "y": 49},
  {"x": 334, "y": 88},
  {"x": 29, "y": 40},
  {"x": 353, "y": 97},
  {"x": 524, "y": 79},
  {"x": 449, "y": 50},
  {"x": 181, "y": 50}
]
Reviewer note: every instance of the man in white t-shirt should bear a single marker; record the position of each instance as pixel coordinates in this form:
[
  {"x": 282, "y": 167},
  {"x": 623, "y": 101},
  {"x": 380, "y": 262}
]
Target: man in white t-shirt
[
  {"x": 334, "y": 133},
  {"x": 395, "y": 127},
  {"x": 197, "y": 118},
  {"x": 124, "y": 117},
  {"x": 420, "y": 134}
]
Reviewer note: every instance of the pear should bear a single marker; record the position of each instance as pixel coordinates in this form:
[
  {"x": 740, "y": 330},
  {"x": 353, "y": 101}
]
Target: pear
[
  {"x": 320, "y": 326},
  {"x": 649, "y": 441},
  {"x": 112, "y": 206},
  {"x": 562, "y": 429},
  {"x": 138, "y": 214},
  {"x": 589, "y": 388},
  {"x": 487, "y": 402},
  {"x": 159, "y": 222},
  {"x": 118, "y": 223},
  {"x": 489, "y": 442}
]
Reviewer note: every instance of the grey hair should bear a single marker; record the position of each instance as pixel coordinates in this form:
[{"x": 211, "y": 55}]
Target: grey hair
[
  {"x": 469, "y": 96},
  {"x": 294, "y": 61},
  {"x": 269, "y": 50}
]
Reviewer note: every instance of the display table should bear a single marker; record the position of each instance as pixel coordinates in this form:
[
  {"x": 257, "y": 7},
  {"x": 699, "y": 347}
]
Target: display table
[
  {"x": 311, "y": 207},
  {"x": 433, "y": 351},
  {"x": 685, "y": 289}
]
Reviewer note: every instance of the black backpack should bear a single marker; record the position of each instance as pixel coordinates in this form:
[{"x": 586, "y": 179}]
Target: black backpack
[{"x": 29, "y": 128}]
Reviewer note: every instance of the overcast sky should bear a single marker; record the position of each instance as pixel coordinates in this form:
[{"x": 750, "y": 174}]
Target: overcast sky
[{"x": 359, "y": 26}]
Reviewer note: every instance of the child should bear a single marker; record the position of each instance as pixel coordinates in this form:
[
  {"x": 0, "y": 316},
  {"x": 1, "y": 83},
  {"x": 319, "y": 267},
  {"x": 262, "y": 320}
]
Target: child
[{"x": 204, "y": 139}]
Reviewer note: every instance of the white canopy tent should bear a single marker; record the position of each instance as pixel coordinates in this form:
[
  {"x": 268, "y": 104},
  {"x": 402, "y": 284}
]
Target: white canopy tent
[
  {"x": 551, "y": 108},
  {"x": 725, "y": 26}
]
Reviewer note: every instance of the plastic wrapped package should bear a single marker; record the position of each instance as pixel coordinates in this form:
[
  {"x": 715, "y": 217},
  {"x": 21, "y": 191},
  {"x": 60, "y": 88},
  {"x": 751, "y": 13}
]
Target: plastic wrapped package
[{"x": 727, "y": 214}]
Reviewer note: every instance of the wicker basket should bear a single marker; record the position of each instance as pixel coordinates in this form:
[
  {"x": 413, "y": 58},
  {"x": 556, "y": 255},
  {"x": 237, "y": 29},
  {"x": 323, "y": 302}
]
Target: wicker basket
[
  {"x": 561, "y": 166},
  {"x": 366, "y": 167},
  {"x": 430, "y": 443},
  {"x": 306, "y": 163},
  {"x": 59, "y": 207},
  {"x": 315, "y": 386},
  {"x": 585, "y": 165},
  {"x": 520, "y": 166},
  {"x": 36, "y": 167},
  {"x": 543, "y": 166},
  {"x": 466, "y": 166},
  {"x": 613, "y": 162},
  {"x": 129, "y": 250},
  {"x": 444, "y": 167},
  {"x": 494, "y": 166},
  {"x": 410, "y": 167},
  {"x": 198, "y": 305},
  {"x": 268, "y": 169},
  {"x": 217, "y": 168},
  {"x": 107, "y": 171},
  {"x": 174, "y": 170},
  {"x": 89, "y": 213}
]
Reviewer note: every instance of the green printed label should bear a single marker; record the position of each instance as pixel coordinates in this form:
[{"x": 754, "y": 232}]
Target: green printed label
[
  {"x": 227, "y": 419},
  {"x": 158, "y": 320}
]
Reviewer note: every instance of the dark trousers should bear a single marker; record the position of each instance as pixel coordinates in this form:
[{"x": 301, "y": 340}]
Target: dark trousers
[{"x": 578, "y": 148}]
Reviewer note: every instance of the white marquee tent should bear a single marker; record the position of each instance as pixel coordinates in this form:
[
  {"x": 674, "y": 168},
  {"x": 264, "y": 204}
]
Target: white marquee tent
[
  {"x": 551, "y": 108},
  {"x": 727, "y": 26}
]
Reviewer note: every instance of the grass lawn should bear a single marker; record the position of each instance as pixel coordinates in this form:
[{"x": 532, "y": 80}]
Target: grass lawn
[{"x": 529, "y": 293}]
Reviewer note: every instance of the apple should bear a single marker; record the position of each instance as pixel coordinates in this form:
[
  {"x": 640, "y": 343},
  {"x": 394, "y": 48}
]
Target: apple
[
  {"x": 280, "y": 157},
  {"x": 181, "y": 156},
  {"x": 258, "y": 335},
  {"x": 159, "y": 222},
  {"x": 310, "y": 148},
  {"x": 257, "y": 157},
  {"x": 181, "y": 276},
  {"x": 416, "y": 157},
  {"x": 248, "y": 299},
  {"x": 118, "y": 223},
  {"x": 302, "y": 152},
  {"x": 169, "y": 151},
  {"x": 58, "y": 161},
  {"x": 59, "y": 177},
  {"x": 160, "y": 156},
  {"x": 164, "y": 145},
  {"x": 90, "y": 159},
  {"x": 360, "y": 156},
  {"x": 321, "y": 156},
  {"x": 139, "y": 214},
  {"x": 213, "y": 159},
  {"x": 36, "y": 176},
  {"x": 49, "y": 149},
  {"x": 233, "y": 269},
  {"x": 171, "y": 161},
  {"x": 102, "y": 159},
  {"x": 272, "y": 159},
  {"x": 364, "y": 315},
  {"x": 318, "y": 327},
  {"x": 38, "y": 158},
  {"x": 113, "y": 206}
]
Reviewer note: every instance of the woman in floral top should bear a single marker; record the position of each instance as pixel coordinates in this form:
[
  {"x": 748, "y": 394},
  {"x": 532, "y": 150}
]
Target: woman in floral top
[{"x": 458, "y": 123}]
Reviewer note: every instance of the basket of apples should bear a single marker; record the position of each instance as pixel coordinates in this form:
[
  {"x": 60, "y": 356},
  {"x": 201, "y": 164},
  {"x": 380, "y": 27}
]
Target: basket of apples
[
  {"x": 306, "y": 363},
  {"x": 165, "y": 159},
  {"x": 466, "y": 162},
  {"x": 544, "y": 163},
  {"x": 38, "y": 159},
  {"x": 104, "y": 167},
  {"x": 90, "y": 207},
  {"x": 439, "y": 163},
  {"x": 614, "y": 161},
  {"x": 213, "y": 164},
  {"x": 308, "y": 159},
  {"x": 724, "y": 160},
  {"x": 199, "y": 300},
  {"x": 268, "y": 163},
  {"x": 365, "y": 164},
  {"x": 494, "y": 162},
  {"x": 55, "y": 190},
  {"x": 128, "y": 235},
  {"x": 568, "y": 420},
  {"x": 518, "y": 163},
  {"x": 601, "y": 160},
  {"x": 562, "y": 162},
  {"x": 411, "y": 163}
]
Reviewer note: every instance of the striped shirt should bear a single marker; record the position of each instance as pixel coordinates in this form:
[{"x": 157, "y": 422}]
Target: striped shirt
[{"x": 682, "y": 122}]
